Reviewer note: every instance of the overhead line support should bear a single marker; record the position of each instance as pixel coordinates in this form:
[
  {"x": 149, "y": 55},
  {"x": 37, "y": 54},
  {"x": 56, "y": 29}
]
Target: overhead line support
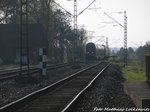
[
  {"x": 125, "y": 39},
  {"x": 24, "y": 37},
  {"x": 125, "y": 34}
]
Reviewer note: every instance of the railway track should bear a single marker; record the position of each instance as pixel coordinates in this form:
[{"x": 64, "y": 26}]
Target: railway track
[
  {"x": 59, "y": 96},
  {"x": 4, "y": 75}
]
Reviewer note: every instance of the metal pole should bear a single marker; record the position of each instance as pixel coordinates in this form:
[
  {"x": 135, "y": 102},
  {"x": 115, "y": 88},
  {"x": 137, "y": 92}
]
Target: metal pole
[
  {"x": 27, "y": 38},
  {"x": 21, "y": 38},
  {"x": 24, "y": 38},
  {"x": 75, "y": 30},
  {"x": 75, "y": 16},
  {"x": 125, "y": 39},
  {"x": 107, "y": 50},
  {"x": 125, "y": 34}
]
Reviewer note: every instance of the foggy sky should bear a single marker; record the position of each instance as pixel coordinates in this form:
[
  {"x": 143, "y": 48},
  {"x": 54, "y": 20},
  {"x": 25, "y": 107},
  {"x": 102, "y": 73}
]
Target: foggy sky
[{"x": 138, "y": 14}]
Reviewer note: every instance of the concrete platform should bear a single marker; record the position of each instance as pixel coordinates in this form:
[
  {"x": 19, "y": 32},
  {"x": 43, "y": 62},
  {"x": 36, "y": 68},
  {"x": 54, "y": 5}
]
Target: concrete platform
[{"x": 139, "y": 92}]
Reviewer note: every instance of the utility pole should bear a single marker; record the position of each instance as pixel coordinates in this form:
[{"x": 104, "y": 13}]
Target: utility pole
[
  {"x": 107, "y": 49},
  {"x": 125, "y": 33},
  {"x": 75, "y": 16},
  {"x": 125, "y": 39},
  {"x": 76, "y": 44},
  {"x": 24, "y": 37},
  {"x": 77, "y": 41}
]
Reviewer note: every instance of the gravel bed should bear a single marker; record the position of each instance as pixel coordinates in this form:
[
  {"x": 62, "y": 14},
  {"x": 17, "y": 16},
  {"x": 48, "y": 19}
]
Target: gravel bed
[
  {"x": 11, "y": 91},
  {"x": 107, "y": 94}
]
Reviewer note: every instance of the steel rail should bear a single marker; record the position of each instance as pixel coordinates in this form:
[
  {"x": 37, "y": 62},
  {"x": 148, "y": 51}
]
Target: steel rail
[
  {"x": 20, "y": 102},
  {"x": 14, "y": 70},
  {"x": 70, "y": 106},
  {"x": 14, "y": 74}
]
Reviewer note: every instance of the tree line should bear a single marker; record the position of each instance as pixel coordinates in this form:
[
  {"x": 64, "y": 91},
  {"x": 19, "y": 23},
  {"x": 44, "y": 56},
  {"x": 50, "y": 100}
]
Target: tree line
[
  {"x": 56, "y": 22},
  {"x": 134, "y": 54}
]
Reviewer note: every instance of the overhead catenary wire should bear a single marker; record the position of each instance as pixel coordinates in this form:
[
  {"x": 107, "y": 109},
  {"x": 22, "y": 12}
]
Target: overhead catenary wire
[
  {"x": 114, "y": 20},
  {"x": 63, "y": 8},
  {"x": 86, "y": 8}
]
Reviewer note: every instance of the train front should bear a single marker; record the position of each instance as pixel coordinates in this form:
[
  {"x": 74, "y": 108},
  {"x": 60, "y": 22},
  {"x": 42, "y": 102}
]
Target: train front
[{"x": 90, "y": 51}]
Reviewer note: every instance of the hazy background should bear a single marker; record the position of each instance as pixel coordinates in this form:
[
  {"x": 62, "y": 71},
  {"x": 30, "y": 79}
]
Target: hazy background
[{"x": 138, "y": 13}]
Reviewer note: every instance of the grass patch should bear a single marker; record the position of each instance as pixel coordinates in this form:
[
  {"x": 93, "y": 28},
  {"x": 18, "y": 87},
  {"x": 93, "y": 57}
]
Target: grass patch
[{"x": 135, "y": 71}]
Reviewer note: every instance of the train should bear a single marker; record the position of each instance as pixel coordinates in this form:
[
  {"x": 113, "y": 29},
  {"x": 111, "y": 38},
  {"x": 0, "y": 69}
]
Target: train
[{"x": 90, "y": 52}]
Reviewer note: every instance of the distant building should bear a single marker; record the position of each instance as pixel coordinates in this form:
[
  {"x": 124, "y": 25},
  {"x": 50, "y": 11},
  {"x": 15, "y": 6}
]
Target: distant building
[{"x": 10, "y": 42}]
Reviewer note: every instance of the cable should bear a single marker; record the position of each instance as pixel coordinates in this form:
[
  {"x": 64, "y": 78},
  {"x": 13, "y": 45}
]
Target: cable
[
  {"x": 63, "y": 8},
  {"x": 86, "y": 8},
  {"x": 114, "y": 20}
]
